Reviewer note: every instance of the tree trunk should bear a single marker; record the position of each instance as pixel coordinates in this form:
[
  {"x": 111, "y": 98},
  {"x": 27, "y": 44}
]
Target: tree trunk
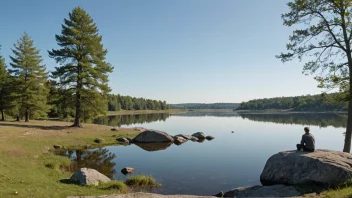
[
  {"x": 26, "y": 119},
  {"x": 17, "y": 118},
  {"x": 348, "y": 136},
  {"x": 77, "y": 122},
  {"x": 2, "y": 114}
]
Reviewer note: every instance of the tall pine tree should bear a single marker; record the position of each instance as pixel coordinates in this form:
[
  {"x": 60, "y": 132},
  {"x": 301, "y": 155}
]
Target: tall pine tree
[
  {"x": 84, "y": 69},
  {"x": 3, "y": 89},
  {"x": 29, "y": 77}
]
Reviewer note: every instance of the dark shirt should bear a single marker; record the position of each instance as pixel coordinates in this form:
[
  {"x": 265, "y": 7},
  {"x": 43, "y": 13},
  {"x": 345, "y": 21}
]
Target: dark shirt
[{"x": 308, "y": 141}]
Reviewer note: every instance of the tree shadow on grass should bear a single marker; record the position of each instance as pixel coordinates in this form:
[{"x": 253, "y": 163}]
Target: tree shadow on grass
[{"x": 14, "y": 124}]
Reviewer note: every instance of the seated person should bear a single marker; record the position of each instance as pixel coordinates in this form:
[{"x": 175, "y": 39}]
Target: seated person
[{"x": 307, "y": 142}]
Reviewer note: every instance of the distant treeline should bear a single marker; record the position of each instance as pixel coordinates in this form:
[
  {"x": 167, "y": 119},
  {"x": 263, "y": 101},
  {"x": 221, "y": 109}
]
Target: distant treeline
[
  {"x": 298, "y": 103},
  {"x": 205, "y": 106},
  {"x": 117, "y": 103}
]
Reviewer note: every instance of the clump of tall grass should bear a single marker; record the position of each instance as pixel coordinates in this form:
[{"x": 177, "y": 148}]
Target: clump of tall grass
[{"x": 141, "y": 181}]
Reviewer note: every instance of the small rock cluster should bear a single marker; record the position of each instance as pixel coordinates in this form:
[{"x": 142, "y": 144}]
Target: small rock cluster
[{"x": 154, "y": 136}]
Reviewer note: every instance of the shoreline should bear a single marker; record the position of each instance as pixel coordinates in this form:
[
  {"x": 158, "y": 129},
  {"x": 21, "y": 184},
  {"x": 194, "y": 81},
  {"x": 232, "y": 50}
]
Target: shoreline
[{"x": 138, "y": 112}]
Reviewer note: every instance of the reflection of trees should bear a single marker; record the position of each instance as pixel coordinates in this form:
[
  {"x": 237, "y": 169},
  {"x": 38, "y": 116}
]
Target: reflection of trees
[
  {"x": 318, "y": 119},
  {"x": 98, "y": 159},
  {"x": 119, "y": 120},
  {"x": 202, "y": 114}
]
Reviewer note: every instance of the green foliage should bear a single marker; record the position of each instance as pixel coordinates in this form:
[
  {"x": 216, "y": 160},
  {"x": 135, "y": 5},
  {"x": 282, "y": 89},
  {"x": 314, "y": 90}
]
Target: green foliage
[
  {"x": 83, "y": 67},
  {"x": 28, "y": 77},
  {"x": 114, "y": 185},
  {"x": 205, "y": 106},
  {"x": 117, "y": 102},
  {"x": 4, "y": 88},
  {"x": 141, "y": 181},
  {"x": 298, "y": 103}
]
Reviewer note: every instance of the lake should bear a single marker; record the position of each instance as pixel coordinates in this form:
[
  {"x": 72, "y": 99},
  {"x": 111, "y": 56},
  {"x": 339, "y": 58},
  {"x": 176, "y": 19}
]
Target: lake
[{"x": 230, "y": 160}]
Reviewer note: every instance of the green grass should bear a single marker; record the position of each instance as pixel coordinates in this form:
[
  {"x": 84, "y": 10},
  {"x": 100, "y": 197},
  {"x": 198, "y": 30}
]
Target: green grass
[
  {"x": 141, "y": 181},
  {"x": 118, "y": 186},
  {"x": 29, "y": 167}
]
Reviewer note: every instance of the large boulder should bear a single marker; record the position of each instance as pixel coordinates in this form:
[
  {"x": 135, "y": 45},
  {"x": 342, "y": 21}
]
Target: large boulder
[
  {"x": 87, "y": 176},
  {"x": 324, "y": 167},
  {"x": 153, "y": 136},
  {"x": 263, "y": 191},
  {"x": 199, "y": 135}
]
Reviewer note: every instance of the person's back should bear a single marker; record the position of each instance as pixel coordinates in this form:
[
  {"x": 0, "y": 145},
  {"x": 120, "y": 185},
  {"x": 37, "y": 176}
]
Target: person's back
[{"x": 307, "y": 142}]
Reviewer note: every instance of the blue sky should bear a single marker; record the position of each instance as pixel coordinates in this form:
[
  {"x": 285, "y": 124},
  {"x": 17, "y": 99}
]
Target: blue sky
[{"x": 175, "y": 50}]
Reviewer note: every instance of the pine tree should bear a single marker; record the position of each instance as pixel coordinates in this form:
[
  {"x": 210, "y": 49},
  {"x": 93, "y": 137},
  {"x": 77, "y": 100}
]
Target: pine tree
[
  {"x": 3, "y": 89},
  {"x": 29, "y": 77},
  {"x": 83, "y": 68}
]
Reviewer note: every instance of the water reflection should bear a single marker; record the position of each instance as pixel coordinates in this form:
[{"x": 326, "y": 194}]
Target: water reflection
[
  {"x": 317, "y": 119},
  {"x": 154, "y": 146},
  {"x": 100, "y": 159},
  {"x": 119, "y": 120}
]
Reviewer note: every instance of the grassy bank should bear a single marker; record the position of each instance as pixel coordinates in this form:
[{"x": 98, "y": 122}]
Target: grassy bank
[
  {"x": 25, "y": 155},
  {"x": 135, "y": 112}
]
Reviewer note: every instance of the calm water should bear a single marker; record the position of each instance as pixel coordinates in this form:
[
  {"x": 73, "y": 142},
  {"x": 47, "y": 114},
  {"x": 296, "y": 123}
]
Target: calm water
[{"x": 230, "y": 160}]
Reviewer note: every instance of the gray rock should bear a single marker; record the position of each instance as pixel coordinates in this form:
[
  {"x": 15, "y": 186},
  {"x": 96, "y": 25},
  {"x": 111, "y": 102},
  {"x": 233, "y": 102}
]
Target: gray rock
[
  {"x": 209, "y": 137},
  {"x": 194, "y": 139},
  {"x": 187, "y": 137},
  {"x": 87, "y": 176},
  {"x": 153, "y": 136},
  {"x": 325, "y": 167},
  {"x": 263, "y": 191},
  {"x": 179, "y": 140},
  {"x": 127, "y": 170},
  {"x": 199, "y": 135},
  {"x": 220, "y": 194},
  {"x": 130, "y": 140},
  {"x": 123, "y": 140},
  {"x": 98, "y": 140}
]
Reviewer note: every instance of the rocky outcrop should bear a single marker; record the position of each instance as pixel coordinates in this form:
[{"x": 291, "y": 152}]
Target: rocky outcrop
[
  {"x": 87, "y": 176},
  {"x": 264, "y": 191},
  {"x": 153, "y": 136},
  {"x": 187, "y": 137},
  {"x": 199, "y": 135},
  {"x": 127, "y": 170},
  {"x": 324, "y": 167}
]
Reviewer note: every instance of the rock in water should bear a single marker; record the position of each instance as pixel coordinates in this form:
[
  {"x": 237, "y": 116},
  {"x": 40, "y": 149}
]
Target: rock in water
[
  {"x": 123, "y": 140},
  {"x": 187, "y": 137},
  {"x": 209, "y": 137},
  {"x": 263, "y": 191},
  {"x": 153, "y": 136},
  {"x": 179, "y": 140},
  {"x": 199, "y": 135},
  {"x": 127, "y": 170},
  {"x": 87, "y": 176},
  {"x": 325, "y": 167}
]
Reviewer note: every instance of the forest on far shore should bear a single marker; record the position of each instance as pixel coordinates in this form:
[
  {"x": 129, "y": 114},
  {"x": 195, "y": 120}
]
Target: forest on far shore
[{"x": 325, "y": 102}]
